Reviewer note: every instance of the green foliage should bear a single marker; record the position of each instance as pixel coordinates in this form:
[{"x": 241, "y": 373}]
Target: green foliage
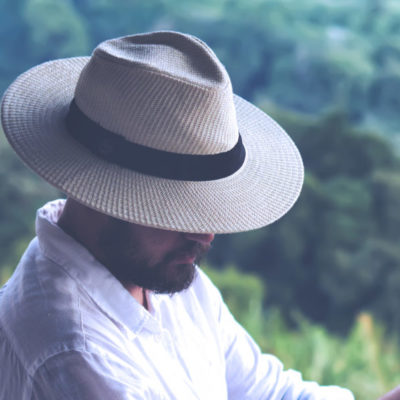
[
  {"x": 322, "y": 69},
  {"x": 340, "y": 54},
  {"x": 21, "y": 193},
  {"x": 243, "y": 293},
  {"x": 5, "y": 274},
  {"x": 364, "y": 361},
  {"x": 106, "y": 19},
  {"x": 55, "y": 29},
  {"x": 336, "y": 252}
]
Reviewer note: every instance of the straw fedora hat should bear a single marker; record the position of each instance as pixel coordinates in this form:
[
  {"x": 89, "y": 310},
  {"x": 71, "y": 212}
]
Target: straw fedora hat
[{"x": 148, "y": 130}]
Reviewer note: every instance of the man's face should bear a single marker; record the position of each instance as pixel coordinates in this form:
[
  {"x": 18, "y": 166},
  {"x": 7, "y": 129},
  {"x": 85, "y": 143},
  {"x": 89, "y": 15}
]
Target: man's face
[{"x": 155, "y": 259}]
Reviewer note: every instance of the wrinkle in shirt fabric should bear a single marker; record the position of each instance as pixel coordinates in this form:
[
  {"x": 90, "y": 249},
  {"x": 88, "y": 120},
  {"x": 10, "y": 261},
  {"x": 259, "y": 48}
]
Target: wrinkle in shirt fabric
[{"x": 70, "y": 330}]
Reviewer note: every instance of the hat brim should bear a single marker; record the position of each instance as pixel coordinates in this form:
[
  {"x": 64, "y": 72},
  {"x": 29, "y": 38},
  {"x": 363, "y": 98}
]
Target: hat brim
[{"x": 264, "y": 189}]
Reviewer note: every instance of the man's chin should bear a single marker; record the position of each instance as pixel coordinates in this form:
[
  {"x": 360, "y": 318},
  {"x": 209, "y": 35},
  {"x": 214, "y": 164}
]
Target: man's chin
[{"x": 172, "y": 278}]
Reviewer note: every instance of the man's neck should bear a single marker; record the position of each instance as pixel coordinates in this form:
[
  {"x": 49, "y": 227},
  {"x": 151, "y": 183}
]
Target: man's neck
[{"x": 139, "y": 294}]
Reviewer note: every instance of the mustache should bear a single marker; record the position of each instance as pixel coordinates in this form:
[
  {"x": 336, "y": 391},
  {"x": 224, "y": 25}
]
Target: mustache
[{"x": 199, "y": 250}]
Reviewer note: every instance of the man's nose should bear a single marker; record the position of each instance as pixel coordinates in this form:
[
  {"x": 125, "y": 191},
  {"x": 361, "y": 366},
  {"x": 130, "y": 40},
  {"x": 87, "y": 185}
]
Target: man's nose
[{"x": 203, "y": 238}]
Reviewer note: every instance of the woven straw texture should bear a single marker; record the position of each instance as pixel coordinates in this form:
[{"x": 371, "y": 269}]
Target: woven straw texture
[{"x": 187, "y": 106}]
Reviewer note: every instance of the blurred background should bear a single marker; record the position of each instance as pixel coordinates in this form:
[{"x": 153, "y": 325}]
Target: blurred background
[{"x": 321, "y": 287}]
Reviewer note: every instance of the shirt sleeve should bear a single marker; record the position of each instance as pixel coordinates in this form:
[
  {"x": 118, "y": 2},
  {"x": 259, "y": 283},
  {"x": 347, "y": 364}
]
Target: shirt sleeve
[
  {"x": 252, "y": 375},
  {"x": 76, "y": 375}
]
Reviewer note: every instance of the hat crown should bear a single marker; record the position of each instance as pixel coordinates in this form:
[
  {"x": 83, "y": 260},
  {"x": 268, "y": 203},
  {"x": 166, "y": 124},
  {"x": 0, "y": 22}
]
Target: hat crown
[
  {"x": 164, "y": 90},
  {"x": 175, "y": 54}
]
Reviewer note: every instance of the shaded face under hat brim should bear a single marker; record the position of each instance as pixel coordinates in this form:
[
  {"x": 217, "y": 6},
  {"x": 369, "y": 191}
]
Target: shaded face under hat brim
[{"x": 264, "y": 189}]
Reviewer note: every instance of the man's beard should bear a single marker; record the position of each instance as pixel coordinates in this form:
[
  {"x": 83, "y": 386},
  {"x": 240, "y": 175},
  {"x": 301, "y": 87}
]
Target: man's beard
[{"x": 126, "y": 260}]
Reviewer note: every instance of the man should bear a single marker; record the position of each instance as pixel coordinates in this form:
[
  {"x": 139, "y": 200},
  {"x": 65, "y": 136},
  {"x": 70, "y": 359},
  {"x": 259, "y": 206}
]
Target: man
[{"x": 156, "y": 155}]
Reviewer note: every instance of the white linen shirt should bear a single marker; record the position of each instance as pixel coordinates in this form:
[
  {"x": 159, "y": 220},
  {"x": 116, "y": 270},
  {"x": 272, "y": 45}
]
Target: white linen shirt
[{"x": 70, "y": 330}]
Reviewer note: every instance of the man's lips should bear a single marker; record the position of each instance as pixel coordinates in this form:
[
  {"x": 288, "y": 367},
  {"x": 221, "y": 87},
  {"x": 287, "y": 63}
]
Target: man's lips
[{"x": 184, "y": 258}]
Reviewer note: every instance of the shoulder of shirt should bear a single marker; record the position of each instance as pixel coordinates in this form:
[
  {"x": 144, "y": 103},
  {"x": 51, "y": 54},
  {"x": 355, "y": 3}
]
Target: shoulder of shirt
[
  {"x": 202, "y": 288},
  {"x": 40, "y": 312},
  {"x": 203, "y": 284},
  {"x": 201, "y": 297}
]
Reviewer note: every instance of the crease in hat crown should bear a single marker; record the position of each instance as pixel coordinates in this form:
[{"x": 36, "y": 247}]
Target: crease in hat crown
[{"x": 165, "y": 90}]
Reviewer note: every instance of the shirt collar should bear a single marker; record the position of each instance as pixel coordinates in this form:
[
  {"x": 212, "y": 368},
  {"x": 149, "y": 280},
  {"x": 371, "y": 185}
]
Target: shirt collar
[{"x": 90, "y": 275}]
